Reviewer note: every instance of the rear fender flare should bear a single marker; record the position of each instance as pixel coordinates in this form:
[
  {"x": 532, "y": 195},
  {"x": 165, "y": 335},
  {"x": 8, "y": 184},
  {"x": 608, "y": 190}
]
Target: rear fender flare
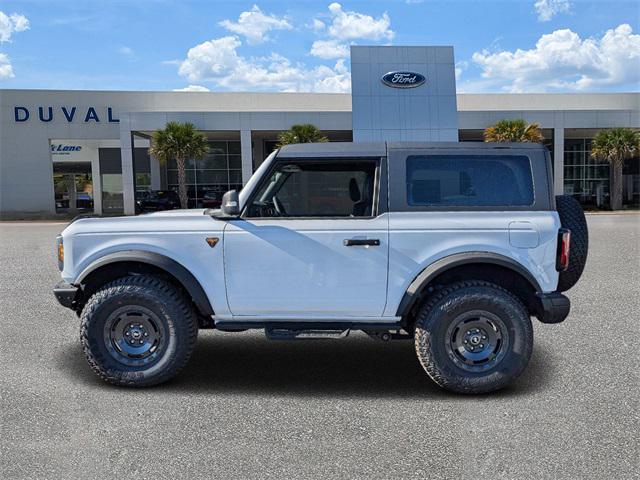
[{"x": 440, "y": 266}]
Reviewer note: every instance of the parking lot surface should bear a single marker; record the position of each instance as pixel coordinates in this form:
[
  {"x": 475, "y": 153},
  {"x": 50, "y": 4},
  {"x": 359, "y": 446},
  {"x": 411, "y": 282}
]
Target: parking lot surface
[{"x": 246, "y": 407}]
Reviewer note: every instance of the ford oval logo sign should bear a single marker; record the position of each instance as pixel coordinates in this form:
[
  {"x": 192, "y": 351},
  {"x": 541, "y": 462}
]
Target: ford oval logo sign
[{"x": 403, "y": 79}]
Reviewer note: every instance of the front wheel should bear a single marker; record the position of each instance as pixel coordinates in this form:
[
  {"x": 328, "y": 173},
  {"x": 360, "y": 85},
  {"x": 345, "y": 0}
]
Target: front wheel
[
  {"x": 138, "y": 331},
  {"x": 473, "y": 337}
]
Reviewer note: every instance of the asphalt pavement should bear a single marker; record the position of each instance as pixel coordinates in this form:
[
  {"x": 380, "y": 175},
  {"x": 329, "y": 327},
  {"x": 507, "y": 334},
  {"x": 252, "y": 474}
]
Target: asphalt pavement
[{"x": 247, "y": 407}]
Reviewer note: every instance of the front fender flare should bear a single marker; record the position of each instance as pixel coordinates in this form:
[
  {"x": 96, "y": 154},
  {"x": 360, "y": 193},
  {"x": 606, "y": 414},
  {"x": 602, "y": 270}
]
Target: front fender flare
[
  {"x": 440, "y": 266},
  {"x": 184, "y": 276}
]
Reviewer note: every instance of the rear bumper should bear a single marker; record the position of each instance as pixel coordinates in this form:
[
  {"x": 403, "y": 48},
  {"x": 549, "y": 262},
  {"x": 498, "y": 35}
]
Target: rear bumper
[
  {"x": 553, "y": 308},
  {"x": 66, "y": 294}
]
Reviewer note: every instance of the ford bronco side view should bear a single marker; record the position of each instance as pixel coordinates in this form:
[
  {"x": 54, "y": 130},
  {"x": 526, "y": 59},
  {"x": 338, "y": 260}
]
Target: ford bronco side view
[{"x": 453, "y": 245}]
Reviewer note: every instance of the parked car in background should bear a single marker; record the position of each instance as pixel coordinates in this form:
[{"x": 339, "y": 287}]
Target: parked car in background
[
  {"x": 212, "y": 198},
  {"x": 84, "y": 201},
  {"x": 158, "y": 200}
]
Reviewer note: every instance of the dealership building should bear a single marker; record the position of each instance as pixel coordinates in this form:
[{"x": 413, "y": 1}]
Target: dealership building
[{"x": 65, "y": 152}]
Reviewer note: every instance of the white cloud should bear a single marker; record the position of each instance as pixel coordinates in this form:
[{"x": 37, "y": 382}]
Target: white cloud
[
  {"x": 211, "y": 59},
  {"x": 218, "y": 61},
  {"x": 127, "y": 52},
  {"x": 255, "y": 24},
  {"x": 10, "y": 24},
  {"x": 460, "y": 67},
  {"x": 562, "y": 60},
  {"x": 547, "y": 9},
  {"x": 6, "y": 70},
  {"x": 346, "y": 25},
  {"x": 316, "y": 25},
  {"x": 192, "y": 88},
  {"x": 329, "y": 49},
  {"x": 411, "y": 2}
]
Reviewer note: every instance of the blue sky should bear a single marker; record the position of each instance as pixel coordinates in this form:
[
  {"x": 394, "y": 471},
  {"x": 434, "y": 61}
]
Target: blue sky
[{"x": 500, "y": 46}]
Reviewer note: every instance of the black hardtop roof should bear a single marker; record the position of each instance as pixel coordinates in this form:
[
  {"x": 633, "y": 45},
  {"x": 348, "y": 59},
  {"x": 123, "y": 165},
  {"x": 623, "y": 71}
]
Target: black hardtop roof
[{"x": 379, "y": 149}]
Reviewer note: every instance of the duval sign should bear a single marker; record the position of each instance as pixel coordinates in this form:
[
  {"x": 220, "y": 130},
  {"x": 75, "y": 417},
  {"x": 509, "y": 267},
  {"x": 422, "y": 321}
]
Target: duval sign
[
  {"x": 69, "y": 114},
  {"x": 403, "y": 79}
]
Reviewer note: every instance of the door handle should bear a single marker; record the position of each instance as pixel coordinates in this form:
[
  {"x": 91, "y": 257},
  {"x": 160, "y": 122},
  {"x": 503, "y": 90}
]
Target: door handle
[{"x": 354, "y": 242}]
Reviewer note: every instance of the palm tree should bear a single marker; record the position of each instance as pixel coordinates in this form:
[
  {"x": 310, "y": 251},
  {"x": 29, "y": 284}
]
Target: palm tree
[
  {"x": 305, "y": 133},
  {"x": 179, "y": 141},
  {"x": 615, "y": 146},
  {"x": 513, "y": 131}
]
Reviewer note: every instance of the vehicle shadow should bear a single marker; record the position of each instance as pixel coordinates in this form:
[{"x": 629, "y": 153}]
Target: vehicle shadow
[{"x": 356, "y": 367}]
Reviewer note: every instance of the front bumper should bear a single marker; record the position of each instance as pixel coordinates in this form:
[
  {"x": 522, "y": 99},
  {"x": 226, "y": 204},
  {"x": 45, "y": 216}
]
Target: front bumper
[
  {"x": 553, "y": 307},
  {"x": 66, "y": 294}
]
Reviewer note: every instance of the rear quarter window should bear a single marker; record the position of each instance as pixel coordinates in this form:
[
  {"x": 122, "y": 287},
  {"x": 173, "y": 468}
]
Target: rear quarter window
[{"x": 469, "y": 180}]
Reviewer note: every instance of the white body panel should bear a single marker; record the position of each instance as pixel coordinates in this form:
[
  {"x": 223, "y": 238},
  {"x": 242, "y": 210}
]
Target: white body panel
[
  {"x": 286, "y": 267},
  {"x": 179, "y": 235},
  {"x": 417, "y": 239},
  {"x": 297, "y": 269}
]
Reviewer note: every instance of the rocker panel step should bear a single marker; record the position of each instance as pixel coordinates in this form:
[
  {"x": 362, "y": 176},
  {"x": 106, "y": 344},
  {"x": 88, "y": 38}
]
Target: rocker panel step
[{"x": 304, "y": 334}]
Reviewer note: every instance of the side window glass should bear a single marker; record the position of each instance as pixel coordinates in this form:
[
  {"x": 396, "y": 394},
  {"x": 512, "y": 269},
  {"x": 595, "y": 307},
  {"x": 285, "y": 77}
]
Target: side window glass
[
  {"x": 316, "y": 189},
  {"x": 468, "y": 180}
]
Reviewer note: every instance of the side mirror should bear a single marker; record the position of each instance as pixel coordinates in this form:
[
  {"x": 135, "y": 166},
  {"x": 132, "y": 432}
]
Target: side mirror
[{"x": 230, "y": 204}]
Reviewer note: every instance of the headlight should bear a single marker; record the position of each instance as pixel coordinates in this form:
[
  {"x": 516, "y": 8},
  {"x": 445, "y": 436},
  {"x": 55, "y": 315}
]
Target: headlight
[{"x": 60, "y": 250}]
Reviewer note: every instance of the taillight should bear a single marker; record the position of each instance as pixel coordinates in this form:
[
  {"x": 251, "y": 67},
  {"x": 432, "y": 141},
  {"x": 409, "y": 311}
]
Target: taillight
[
  {"x": 60, "y": 252},
  {"x": 564, "y": 246}
]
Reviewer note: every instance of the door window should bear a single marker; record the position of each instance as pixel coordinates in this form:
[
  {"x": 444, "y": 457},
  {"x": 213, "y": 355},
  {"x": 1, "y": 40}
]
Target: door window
[{"x": 316, "y": 189}]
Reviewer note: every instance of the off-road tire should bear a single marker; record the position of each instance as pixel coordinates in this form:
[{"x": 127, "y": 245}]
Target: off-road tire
[
  {"x": 440, "y": 311},
  {"x": 165, "y": 303},
  {"x": 572, "y": 217}
]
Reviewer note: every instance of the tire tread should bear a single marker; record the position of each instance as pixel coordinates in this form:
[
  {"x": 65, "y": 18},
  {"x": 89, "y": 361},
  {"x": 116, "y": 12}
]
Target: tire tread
[
  {"x": 470, "y": 384},
  {"x": 127, "y": 286},
  {"x": 572, "y": 217}
]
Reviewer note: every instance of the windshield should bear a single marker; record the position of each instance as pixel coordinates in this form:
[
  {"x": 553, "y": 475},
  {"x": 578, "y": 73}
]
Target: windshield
[{"x": 251, "y": 184}]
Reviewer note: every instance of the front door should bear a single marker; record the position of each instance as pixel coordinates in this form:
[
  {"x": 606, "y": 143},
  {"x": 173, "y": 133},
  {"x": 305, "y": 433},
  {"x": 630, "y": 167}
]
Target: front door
[{"x": 311, "y": 243}]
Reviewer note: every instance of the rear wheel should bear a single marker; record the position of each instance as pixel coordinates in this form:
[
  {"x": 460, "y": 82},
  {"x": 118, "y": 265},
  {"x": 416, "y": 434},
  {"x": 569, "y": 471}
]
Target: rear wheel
[
  {"x": 138, "y": 331},
  {"x": 473, "y": 337}
]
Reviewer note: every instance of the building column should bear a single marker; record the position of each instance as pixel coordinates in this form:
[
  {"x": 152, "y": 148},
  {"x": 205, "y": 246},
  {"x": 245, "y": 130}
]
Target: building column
[
  {"x": 126, "y": 155},
  {"x": 558, "y": 160},
  {"x": 247, "y": 155},
  {"x": 96, "y": 181}
]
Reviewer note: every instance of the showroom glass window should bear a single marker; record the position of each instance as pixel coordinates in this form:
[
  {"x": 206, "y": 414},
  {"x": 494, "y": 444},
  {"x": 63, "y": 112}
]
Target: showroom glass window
[
  {"x": 468, "y": 180},
  {"x": 585, "y": 178},
  {"x": 207, "y": 179},
  {"x": 322, "y": 189}
]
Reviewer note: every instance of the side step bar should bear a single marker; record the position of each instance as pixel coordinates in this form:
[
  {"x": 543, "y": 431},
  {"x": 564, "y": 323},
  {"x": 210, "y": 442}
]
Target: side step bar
[
  {"x": 298, "y": 330},
  {"x": 234, "y": 325},
  {"x": 308, "y": 334}
]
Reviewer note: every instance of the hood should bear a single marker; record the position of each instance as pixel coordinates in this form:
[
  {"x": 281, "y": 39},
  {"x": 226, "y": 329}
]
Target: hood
[
  {"x": 192, "y": 220},
  {"x": 191, "y": 212}
]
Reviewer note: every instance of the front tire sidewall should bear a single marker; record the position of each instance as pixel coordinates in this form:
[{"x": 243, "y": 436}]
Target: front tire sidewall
[
  {"x": 431, "y": 340},
  {"x": 167, "y": 313}
]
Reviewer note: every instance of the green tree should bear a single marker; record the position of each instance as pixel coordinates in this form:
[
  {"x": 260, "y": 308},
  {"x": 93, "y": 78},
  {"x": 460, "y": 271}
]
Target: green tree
[
  {"x": 615, "y": 146},
  {"x": 179, "y": 141},
  {"x": 305, "y": 133},
  {"x": 513, "y": 131}
]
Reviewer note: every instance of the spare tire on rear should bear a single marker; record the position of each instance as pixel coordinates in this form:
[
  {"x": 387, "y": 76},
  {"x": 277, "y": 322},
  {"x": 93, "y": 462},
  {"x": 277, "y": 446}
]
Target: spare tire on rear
[{"x": 572, "y": 217}]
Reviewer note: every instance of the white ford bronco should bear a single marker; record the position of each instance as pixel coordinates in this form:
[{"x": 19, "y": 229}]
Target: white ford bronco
[{"x": 453, "y": 245}]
